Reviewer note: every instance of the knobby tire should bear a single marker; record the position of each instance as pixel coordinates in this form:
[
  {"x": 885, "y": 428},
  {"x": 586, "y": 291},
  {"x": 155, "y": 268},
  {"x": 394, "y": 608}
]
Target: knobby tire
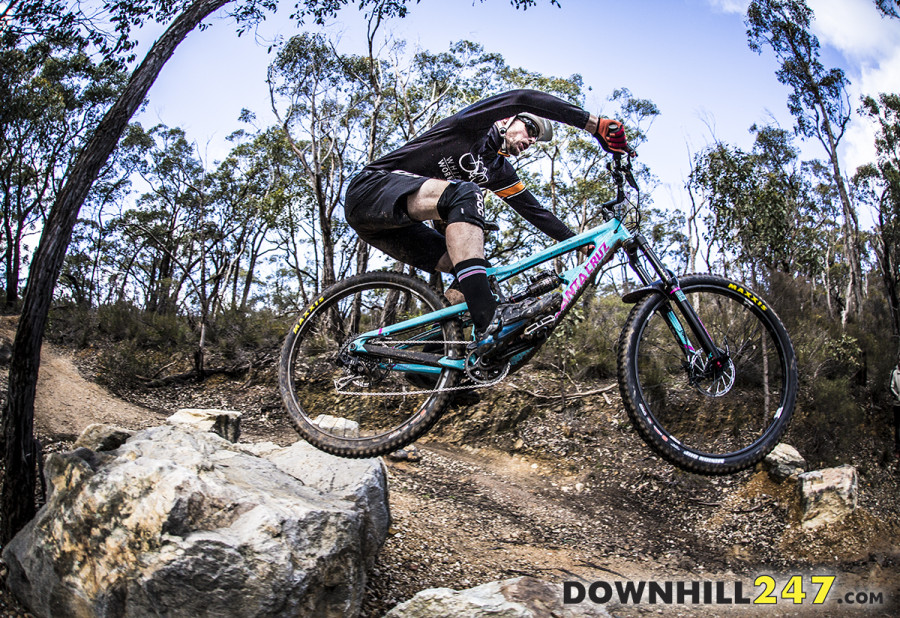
[
  {"x": 315, "y": 351},
  {"x": 681, "y": 420}
]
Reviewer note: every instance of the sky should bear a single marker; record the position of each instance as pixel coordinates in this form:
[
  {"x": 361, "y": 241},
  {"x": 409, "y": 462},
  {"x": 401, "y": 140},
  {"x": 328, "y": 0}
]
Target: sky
[{"x": 690, "y": 57}]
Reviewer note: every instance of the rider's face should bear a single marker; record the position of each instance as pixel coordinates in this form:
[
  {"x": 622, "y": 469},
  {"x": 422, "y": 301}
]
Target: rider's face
[{"x": 518, "y": 138}]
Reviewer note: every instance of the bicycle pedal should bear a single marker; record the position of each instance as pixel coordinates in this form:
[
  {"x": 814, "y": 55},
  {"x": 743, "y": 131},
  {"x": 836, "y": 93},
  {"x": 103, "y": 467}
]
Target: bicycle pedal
[{"x": 544, "y": 322}]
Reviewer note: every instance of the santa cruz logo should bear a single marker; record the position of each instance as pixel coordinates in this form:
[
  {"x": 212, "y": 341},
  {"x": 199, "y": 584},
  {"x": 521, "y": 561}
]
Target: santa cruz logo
[{"x": 583, "y": 277}]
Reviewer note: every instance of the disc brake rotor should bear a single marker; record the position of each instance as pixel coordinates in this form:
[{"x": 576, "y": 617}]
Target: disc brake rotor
[{"x": 712, "y": 376}]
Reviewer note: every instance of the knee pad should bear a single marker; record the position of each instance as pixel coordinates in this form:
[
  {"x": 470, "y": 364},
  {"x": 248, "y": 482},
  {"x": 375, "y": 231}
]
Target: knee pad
[{"x": 462, "y": 201}]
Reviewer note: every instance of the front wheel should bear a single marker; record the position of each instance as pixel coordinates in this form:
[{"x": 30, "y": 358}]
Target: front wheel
[
  {"x": 356, "y": 404},
  {"x": 712, "y": 416}
]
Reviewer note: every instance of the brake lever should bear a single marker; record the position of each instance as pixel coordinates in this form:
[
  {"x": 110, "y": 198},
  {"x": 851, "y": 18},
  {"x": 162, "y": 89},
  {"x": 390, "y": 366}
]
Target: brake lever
[
  {"x": 627, "y": 169},
  {"x": 630, "y": 178}
]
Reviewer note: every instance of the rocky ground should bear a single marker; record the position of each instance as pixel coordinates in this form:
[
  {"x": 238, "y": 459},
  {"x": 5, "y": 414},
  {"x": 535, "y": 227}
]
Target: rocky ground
[{"x": 517, "y": 481}]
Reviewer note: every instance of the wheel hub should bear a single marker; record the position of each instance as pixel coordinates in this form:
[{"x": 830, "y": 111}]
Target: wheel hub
[{"x": 712, "y": 376}]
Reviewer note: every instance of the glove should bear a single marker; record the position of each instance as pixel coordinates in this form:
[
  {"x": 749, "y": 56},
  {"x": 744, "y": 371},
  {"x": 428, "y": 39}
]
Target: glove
[{"x": 611, "y": 135}]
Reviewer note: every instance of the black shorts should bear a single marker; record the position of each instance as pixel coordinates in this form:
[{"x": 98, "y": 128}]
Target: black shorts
[{"x": 375, "y": 207}]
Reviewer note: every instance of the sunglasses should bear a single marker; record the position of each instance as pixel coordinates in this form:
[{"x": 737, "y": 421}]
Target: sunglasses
[{"x": 532, "y": 129}]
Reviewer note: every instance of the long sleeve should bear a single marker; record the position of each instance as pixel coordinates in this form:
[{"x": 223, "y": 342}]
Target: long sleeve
[{"x": 526, "y": 205}]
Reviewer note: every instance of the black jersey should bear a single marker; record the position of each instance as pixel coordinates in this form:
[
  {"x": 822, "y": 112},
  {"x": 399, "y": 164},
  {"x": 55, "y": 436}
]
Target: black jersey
[{"x": 466, "y": 146}]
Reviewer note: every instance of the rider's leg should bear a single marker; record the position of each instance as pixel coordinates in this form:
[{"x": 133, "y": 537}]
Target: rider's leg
[{"x": 461, "y": 205}]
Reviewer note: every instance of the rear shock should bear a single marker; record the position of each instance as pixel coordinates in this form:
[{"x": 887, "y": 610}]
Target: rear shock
[{"x": 541, "y": 283}]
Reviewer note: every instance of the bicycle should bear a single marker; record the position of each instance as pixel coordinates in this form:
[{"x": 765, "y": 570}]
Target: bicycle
[{"x": 706, "y": 369}]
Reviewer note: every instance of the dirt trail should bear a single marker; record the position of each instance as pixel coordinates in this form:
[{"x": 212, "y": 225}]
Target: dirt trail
[
  {"x": 66, "y": 403},
  {"x": 463, "y": 517},
  {"x": 578, "y": 497}
]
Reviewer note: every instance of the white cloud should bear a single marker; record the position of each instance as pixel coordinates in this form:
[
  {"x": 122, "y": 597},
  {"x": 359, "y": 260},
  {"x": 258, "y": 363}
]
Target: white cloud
[
  {"x": 855, "y": 27},
  {"x": 871, "y": 46},
  {"x": 881, "y": 77},
  {"x": 730, "y": 6}
]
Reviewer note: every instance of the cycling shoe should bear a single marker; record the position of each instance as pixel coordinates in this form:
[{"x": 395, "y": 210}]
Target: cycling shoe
[{"x": 510, "y": 319}]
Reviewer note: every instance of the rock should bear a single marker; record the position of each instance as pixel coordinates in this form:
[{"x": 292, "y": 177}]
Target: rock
[
  {"x": 407, "y": 453},
  {"x": 827, "y": 496},
  {"x": 225, "y": 423},
  {"x": 336, "y": 425},
  {"x": 101, "y": 437},
  {"x": 522, "y": 597},
  {"x": 352, "y": 480},
  {"x": 784, "y": 462},
  {"x": 180, "y": 522},
  {"x": 5, "y": 351}
]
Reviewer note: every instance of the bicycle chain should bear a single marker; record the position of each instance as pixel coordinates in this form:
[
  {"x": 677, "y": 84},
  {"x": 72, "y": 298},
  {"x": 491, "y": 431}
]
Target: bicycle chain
[{"x": 466, "y": 387}]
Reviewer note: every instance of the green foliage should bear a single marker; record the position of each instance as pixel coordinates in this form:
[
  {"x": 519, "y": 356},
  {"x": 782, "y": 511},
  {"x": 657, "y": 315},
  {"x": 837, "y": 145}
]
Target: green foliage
[
  {"x": 766, "y": 208},
  {"x": 148, "y": 330},
  {"x": 845, "y": 355},
  {"x": 239, "y": 337},
  {"x": 831, "y": 424},
  {"x": 584, "y": 346},
  {"x": 819, "y": 95}
]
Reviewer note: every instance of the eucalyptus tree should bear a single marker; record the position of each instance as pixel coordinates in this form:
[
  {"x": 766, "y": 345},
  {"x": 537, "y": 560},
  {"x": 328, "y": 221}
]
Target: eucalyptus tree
[
  {"x": 250, "y": 189},
  {"x": 764, "y": 210},
  {"x": 315, "y": 100},
  {"x": 881, "y": 182},
  {"x": 39, "y": 18},
  {"x": 157, "y": 249},
  {"x": 889, "y": 8},
  {"x": 52, "y": 95},
  {"x": 819, "y": 102}
]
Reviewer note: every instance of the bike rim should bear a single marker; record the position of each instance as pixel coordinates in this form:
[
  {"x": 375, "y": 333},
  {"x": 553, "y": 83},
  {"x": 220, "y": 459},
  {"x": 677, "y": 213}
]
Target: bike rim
[
  {"x": 709, "y": 414},
  {"x": 354, "y": 397}
]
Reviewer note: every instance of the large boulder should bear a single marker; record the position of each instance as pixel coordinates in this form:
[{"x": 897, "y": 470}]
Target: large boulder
[{"x": 181, "y": 522}]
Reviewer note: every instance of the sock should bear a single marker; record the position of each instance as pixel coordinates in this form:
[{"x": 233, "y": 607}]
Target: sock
[{"x": 473, "y": 283}]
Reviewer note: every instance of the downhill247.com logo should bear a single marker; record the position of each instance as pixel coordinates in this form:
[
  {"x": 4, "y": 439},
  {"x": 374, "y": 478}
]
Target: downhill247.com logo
[{"x": 766, "y": 590}]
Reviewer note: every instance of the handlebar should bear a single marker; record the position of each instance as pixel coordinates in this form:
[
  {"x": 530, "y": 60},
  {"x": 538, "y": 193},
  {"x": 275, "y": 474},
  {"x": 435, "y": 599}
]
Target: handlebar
[{"x": 621, "y": 173}]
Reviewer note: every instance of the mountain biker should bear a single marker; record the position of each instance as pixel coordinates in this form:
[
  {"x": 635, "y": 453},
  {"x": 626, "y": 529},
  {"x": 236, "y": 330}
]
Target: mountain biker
[{"x": 440, "y": 175}]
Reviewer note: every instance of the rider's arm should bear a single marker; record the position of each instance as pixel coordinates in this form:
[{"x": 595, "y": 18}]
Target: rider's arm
[
  {"x": 524, "y": 203},
  {"x": 487, "y": 111},
  {"x": 610, "y": 133}
]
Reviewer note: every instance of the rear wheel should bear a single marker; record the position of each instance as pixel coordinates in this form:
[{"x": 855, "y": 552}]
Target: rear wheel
[
  {"x": 705, "y": 416},
  {"x": 354, "y": 404}
]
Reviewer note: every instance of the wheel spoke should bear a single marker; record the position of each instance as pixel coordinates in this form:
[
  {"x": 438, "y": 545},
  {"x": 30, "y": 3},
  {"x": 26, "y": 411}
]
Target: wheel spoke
[
  {"x": 324, "y": 374},
  {"x": 723, "y": 409}
]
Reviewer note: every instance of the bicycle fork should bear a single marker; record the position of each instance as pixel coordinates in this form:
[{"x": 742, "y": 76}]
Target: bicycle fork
[{"x": 716, "y": 358}]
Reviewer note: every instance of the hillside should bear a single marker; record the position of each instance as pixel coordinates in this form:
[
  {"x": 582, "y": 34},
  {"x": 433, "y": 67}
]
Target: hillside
[{"x": 516, "y": 481}]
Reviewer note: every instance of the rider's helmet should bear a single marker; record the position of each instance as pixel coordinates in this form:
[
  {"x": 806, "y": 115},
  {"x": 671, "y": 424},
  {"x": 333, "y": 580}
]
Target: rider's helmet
[{"x": 537, "y": 126}]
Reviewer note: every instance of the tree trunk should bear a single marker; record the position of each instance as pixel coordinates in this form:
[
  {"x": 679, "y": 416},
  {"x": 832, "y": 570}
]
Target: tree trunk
[
  {"x": 17, "y": 505},
  {"x": 852, "y": 248}
]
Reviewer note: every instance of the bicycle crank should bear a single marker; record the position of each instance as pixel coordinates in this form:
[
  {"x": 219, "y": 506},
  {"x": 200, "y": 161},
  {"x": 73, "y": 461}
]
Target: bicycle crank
[{"x": 482, "y": 371}]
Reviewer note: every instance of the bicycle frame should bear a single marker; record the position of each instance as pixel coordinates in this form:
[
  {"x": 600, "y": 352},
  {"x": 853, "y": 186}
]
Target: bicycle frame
[{"x": 607, "y": 239}]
